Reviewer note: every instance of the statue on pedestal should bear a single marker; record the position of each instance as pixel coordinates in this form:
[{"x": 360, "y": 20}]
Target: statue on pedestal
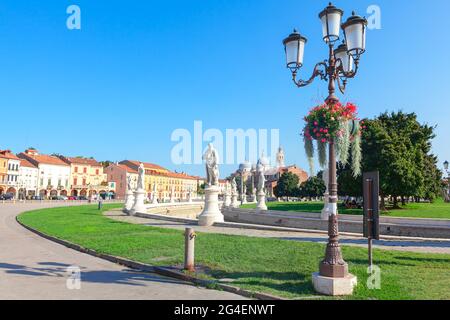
[
  {"x": 139, "y": 194},
  {"x": 211, "y": 212},
  {"x": 261, "y": 195},
  {"x": 129, "y": 196}
]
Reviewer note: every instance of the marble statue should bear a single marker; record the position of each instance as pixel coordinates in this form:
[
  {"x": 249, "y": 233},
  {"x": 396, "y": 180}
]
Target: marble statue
[
  {"x": 212, "y": 166},
  {"x": 129, "y": 183},
  {"x": 233, "y": 185},
  {"x": 261, "y": 179},
  {"x": 141, "y": 177}
]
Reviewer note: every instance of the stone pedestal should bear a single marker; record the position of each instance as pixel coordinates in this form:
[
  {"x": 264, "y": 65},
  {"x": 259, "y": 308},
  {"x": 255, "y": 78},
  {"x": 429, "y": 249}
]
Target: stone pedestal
[
  {"x": 234, "y": 201},
  {"x": 227, "y": 201},
  {"x": 154, "y": 198},
  {"x": 211, "y": 213},
  {"x": 254, "y": 199},
  {"x": 244, "y": 199},
  {"x": 334, "y": 286},
  {"x": 129, "y": 201},
  {"x": 189, "y": 200},
  {"x": 325, "y": 214},
  {"x": 139, "y": 198},
  {"x": 261, "y": 205},
  {"x": 172, "y": 199}
]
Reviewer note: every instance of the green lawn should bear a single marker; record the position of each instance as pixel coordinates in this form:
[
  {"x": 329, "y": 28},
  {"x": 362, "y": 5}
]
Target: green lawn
[
  {"x": 274, "y": 266},
  {"x": 439, "y": 209}
]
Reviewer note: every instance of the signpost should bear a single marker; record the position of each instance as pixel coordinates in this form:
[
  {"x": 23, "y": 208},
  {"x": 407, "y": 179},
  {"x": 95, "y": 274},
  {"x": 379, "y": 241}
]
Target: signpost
[{"x": 371, "y": 224}]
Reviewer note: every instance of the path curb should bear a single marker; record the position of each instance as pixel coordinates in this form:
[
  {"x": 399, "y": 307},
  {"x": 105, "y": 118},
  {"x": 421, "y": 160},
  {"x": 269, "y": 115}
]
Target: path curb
[{"x": 169, "y": 272}]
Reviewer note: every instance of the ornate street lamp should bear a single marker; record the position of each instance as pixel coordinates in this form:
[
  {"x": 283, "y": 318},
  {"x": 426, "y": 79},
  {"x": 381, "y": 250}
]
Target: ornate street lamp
[
  {"x": 446, "y": 165},
  {"x": 341, "y": 65}
]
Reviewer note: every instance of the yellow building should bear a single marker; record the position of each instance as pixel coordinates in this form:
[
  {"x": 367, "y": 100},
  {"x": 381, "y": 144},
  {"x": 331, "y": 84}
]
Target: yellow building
[
  {"x": 86, "y": 177},
  {"x": 3, "y": 174},
  {"x": 165, "y": 180}
]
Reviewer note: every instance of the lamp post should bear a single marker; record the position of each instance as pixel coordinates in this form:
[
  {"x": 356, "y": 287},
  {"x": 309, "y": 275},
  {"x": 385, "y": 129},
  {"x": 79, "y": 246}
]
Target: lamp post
[{"x": 341, "y": 65}]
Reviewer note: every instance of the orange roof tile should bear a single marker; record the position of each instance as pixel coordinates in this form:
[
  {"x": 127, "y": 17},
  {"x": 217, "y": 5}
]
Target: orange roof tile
[
  {"x": 44, "y": 159},
  {"x": 147, "y": 165},
  {"x": 26, "y": 163},
  {"x": 127, "y": 168},
  {"x": 7, "y": 154},
  {"x": 89, "y": 162}
]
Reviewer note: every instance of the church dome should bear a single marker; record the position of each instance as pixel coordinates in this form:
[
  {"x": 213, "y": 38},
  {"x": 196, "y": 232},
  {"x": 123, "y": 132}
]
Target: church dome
[{"x": 245, "y": 166}]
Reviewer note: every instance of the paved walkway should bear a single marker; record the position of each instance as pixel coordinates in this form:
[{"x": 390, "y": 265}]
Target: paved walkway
[
  {"x": 412, "y": 245},
  {"x": 35, "y": 268}
]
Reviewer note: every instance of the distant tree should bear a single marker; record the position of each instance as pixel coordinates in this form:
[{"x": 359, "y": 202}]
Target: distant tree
[
  {"x": 106, "y": 163},
  {"x": 201, "y": 189},
  {"x": 286, "y": 185},
  {"x": 313, "y": 187}
]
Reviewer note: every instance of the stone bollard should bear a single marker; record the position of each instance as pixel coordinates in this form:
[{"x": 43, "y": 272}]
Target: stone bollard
[{"x": 189, "y": 249}]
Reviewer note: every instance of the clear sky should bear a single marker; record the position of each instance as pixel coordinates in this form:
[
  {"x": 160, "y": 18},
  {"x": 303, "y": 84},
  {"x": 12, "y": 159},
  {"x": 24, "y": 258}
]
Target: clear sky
[{"x": 138, "y": 70}]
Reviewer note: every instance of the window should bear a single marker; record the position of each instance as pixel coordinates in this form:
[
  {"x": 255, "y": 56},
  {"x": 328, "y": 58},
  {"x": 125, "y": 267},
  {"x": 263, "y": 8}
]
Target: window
[
  {"x": 84, "y": 182},
  {"x": 97, "y": 172},
  {"x": 75, "y": 180},
  {"x": 84, "y": 170},
  {"x": 75, "y": 169}
]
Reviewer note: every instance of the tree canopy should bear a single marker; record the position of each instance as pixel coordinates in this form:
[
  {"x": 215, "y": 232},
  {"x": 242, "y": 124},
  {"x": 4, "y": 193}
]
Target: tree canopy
[
  {"x": 399, "y": 147},
  {"x": 287, "y": 185}
]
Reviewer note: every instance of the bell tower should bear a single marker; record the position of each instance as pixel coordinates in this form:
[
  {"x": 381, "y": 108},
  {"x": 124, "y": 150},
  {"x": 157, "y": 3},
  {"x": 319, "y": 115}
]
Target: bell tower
[{"x": 280, "y": 158}]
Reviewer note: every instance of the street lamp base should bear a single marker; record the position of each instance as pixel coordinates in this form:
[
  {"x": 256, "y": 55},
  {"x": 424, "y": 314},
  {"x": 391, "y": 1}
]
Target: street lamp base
[
  {"x": 334, "y": 286},
  {"x": 333, "y": 270}
]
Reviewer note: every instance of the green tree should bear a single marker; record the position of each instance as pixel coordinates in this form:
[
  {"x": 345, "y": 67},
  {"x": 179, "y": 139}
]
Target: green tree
[
  {"x": 286, "y": 185},
  {"x": 399, "y": 147},
  {"x": 313, "y": 187}
]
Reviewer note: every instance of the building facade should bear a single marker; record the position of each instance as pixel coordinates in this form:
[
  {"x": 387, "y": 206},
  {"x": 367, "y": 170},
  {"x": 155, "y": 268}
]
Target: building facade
[
  {"x": 87, "y": 178},
  {"x": 3, "y": 174},
  {"x": 53, "y": 173},
  {"x": 28, "y": 179},
  {"x": 118, "y": 174},
  {"x": 12, "y": 172},
  {"x": 165, "y": 181}
]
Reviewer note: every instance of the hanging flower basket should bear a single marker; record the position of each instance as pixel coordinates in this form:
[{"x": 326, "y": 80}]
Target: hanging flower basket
[{"x": 338, "y": 123}]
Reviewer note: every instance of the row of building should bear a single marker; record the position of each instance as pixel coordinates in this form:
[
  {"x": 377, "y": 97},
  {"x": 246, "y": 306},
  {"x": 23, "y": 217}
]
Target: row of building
[{"x": 30, "y": 173}]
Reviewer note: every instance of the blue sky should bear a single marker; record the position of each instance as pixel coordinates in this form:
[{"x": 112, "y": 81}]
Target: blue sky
[{"x": 137, "y": 70}]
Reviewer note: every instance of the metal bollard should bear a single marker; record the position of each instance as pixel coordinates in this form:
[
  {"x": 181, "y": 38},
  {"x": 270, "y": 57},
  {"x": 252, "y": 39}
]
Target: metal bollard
[{"x": 189, "y": 249}]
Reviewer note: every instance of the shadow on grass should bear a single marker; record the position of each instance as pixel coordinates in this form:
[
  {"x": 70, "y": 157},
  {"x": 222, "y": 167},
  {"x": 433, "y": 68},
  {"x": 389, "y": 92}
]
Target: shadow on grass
[{"x": 294, "y": 283}]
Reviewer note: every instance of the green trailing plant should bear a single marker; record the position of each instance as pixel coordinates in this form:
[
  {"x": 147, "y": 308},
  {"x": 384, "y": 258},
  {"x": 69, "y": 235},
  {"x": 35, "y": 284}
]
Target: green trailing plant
[{"x": 322, "y": 153}]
